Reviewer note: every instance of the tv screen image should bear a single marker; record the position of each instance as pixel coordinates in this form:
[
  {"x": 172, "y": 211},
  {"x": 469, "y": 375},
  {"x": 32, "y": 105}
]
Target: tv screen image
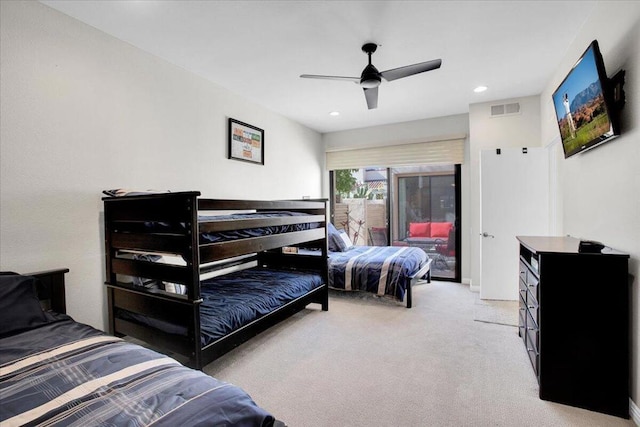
[{"x": 582, "y": 104}]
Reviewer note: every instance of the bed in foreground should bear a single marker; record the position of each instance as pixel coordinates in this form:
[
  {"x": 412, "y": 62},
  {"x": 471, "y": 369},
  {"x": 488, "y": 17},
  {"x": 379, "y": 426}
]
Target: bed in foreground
[{"x": 55, "y": 371}]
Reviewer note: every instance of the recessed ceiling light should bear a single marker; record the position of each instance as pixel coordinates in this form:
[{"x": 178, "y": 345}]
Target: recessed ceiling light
[
  {"x": 334, "y": 113},
  {"x": 480, "y": 89}
]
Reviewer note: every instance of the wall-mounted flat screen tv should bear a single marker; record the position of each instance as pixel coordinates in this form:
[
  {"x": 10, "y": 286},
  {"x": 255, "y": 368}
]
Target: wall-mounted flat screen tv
[{"x": 583, "y": 105}]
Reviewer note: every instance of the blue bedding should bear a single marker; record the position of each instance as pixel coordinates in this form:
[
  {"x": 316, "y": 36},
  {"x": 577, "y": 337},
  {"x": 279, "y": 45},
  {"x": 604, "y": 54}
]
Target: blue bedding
[
  {"x": 235, "y": 299},
  {"x": 235, "y": 234},
  {"x": 383, "y": 270},
  {"x": 67, "y": 373},
  {"x": 253, "y": 232}
]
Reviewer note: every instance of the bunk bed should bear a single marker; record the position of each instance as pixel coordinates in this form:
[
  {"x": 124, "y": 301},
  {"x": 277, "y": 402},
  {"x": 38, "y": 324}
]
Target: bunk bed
[
  {"x": 55, "y": 371},
  {"x": 383, "y": 270},
  {"x": 209, "y": 274}
]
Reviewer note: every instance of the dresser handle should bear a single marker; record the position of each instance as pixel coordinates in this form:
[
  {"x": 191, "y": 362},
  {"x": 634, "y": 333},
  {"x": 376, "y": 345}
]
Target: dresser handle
[
  {"x": 531, "y": 307},
  {"x": 531, "y": 329}
]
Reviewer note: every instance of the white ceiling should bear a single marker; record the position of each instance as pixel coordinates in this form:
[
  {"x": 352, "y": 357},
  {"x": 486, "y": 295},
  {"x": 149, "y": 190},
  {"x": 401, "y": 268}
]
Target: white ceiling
[{"x": 258, "y": 49}]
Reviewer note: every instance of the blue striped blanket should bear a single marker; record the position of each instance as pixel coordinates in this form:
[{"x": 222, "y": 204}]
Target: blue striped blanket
[
  {"x": 68, "y": 374},
  {"x": 383, "y": 270}
]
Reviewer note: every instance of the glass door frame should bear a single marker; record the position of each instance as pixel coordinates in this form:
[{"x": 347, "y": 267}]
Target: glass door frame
[{"x": 393, "y": 230}]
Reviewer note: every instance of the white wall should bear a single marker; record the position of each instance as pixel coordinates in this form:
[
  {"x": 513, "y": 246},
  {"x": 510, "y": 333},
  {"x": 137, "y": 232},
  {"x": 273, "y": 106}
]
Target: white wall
[
  {"x": 82, "y": 112},
  {"x": 599, "y": 190},
  {"x": 414, "y": 131},
  {"x": 487, "y": 132},
  {"x": 398, "y": 133}
]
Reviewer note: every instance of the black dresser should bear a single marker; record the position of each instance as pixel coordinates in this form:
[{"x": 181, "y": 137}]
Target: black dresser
[{"x": 574, "y": 321}]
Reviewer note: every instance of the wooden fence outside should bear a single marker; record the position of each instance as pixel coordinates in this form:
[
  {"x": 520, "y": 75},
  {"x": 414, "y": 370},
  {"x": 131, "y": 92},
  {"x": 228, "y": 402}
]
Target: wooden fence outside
[{"x": 360, "y": 215}]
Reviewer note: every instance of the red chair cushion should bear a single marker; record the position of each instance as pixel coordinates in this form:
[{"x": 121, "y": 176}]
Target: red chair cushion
[
  {"x": 419, "y": 229},
  {"x": 441, "y": 229}
]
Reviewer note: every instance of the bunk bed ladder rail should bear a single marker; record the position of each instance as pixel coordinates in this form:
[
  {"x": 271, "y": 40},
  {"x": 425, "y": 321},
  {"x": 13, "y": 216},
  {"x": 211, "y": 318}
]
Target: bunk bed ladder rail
[
  {"x": 316, "y": 210},
  {"x": 124, "y": 231}
]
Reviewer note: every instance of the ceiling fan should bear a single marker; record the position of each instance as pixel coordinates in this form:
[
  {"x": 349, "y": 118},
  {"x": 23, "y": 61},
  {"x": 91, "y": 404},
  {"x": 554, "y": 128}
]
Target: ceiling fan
[{"x": 371, "y": 78}]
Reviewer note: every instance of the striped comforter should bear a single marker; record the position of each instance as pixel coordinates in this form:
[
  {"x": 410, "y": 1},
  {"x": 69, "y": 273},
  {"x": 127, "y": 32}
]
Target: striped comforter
[
  {"x": 68, "y": 374},
  {"x": 383, "y": 270}
]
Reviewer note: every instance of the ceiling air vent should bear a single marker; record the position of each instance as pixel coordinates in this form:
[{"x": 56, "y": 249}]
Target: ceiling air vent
[{"x": 505, "y": 109}]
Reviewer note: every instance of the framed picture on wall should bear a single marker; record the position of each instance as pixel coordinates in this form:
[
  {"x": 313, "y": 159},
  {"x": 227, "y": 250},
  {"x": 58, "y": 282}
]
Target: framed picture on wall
[{"x": 246, "y": 142}]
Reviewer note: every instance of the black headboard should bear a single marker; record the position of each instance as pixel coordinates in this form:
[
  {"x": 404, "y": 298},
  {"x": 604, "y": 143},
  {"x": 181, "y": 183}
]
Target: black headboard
[{"x": 51, "y": 289}]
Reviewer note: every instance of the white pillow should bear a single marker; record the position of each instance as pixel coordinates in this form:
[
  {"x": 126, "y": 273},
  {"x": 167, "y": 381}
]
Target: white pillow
[{"x": 345, "y": 240}]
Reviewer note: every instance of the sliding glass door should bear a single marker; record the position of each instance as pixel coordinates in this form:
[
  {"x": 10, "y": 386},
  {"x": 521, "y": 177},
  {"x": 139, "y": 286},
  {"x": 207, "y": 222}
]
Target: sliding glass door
[{"x": 426, "y": 209}]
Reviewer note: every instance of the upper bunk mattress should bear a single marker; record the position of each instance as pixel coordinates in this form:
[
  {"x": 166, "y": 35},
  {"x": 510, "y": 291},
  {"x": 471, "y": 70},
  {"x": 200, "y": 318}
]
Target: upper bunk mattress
[
  {"x": 252, "y": 232},
  {"x": 238, "y": 232}
]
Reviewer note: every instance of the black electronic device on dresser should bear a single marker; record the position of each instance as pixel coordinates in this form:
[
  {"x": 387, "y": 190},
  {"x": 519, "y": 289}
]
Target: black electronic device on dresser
[{"x": 574, "y": 321}]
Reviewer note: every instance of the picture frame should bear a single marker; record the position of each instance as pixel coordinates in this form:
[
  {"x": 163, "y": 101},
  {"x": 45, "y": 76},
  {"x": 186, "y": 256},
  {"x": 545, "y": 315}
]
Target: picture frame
[{"x": 246, "y": 142}]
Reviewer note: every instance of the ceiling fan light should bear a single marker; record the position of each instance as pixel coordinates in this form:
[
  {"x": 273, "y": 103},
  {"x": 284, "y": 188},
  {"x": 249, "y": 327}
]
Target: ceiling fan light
[{"x": 369, "y": 83}]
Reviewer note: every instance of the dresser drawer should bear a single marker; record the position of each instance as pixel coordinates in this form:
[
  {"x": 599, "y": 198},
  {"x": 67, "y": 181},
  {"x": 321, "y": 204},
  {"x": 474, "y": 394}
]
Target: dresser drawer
[
  {"x": 532, "y": 287},
  {"x": 523, "y": 271},
  {"x": 531, "y": 340},
  {"x": 523, "y": 291},
  {"x": 532, "y": 350},
  {"x": 532, "y": 306},
  {"x": 522, "y": 315},
  {"x": 532, "y": 329}
]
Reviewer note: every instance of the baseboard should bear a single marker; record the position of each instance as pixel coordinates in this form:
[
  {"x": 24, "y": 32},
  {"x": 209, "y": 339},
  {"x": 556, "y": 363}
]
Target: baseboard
[
  {"x": 467, "y": 281},
  {"x": 634, "y": 412},
  {"x": 472, "y": 287}
]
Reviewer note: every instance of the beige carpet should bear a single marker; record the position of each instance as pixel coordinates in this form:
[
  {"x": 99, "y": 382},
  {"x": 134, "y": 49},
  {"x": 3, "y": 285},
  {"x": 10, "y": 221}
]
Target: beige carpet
[
  {"x": 372, "y": 362},
  {"x": 494, "y": 311}
]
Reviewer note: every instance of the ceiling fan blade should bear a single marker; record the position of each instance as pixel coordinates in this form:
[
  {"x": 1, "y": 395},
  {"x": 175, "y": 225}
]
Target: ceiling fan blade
[
  {"x": 372, "y": 97},
  {"x": 410, "y": 70},
  {"x": 313, "y": 76}
]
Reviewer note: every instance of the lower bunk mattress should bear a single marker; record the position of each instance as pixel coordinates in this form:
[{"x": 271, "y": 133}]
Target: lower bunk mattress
[
  {"x": 236, "y": 299},
  {"x": 65, "y": 373}
]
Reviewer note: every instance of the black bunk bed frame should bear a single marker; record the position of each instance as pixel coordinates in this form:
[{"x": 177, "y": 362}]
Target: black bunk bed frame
[{"x": 124, "y": 217}]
